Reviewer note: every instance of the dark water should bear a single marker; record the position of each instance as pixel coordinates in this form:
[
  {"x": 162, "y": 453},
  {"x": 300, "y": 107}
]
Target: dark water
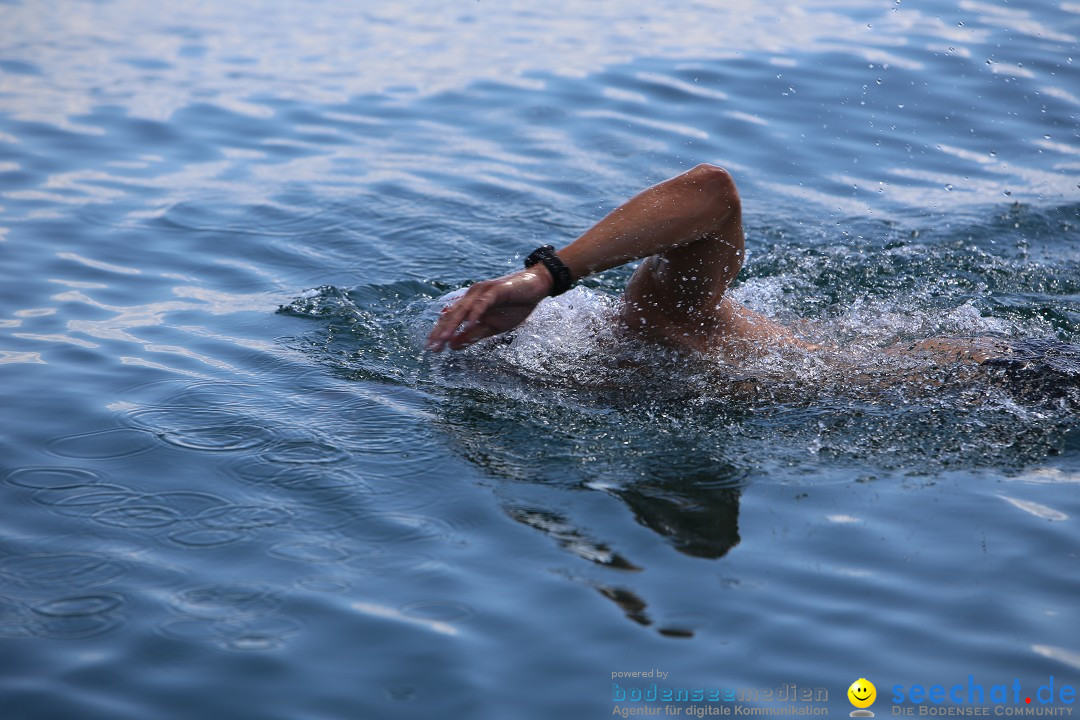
[{"x": 215, "y": 508}]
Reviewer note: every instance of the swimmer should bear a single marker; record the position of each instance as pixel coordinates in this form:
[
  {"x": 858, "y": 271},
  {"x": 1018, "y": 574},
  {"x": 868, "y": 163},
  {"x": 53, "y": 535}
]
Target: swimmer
[{"x": 689, "y": 231}]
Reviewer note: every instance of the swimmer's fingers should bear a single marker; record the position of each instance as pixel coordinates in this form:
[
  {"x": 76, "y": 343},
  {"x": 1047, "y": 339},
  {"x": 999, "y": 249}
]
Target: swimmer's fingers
[
  {"x": 449, "y": 320},
  {"x": 483, "y": 302},
  {"x": 477, "y": 331},
  {"x": 488, "y": 308},
  {"x": 468, "y": 309},
  {"x": 471, "y": 327}
]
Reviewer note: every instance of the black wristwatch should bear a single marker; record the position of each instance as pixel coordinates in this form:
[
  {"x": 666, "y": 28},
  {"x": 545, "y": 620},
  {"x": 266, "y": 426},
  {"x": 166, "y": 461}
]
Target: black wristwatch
[{"x": 557, "y": 268}]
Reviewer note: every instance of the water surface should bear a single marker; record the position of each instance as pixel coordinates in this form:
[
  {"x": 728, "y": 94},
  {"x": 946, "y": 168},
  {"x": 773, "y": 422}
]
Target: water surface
[{"x": 233, "y": 485}]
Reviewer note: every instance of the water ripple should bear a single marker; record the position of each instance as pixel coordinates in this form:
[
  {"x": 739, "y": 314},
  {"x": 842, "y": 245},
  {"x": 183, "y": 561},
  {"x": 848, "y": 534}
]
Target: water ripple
[
  {"x": 15, "y": 619},
  {"x": 186, "y": 504},
  {"x": 84, "y": 500},
  {"x": 244, "y": 517},
  {"x": 202, "y": 428},
  {"x": 80, "y": 605},
  {"x": 53, "y": 478},
  {"x": 383, "y": 562},
  {"x": 313, "y": 484},
  {"x": 310, "y": 552},
  {"x": 398, "y": 528},
  {"x": 76, "y": 626},
  {"x": 218, "y": 438},
  {"x": 236, "y": 616},
  {"x": 227, "y": 601},
  {"x": 102, "y": 445},
  {"x": 318, "y": 584},
  {"x": 304, "y": 452},
  {"x": 68, "y": 570},
  {"x": 264, "y": 633},
  {"x": 184, "y": 459},
  {"x": 201, "y": 538},
  {"x": 137, "y": 516}
]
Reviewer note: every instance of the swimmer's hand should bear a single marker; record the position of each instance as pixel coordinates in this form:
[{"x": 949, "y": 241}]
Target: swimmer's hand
[{"x": 490, "y": 307}]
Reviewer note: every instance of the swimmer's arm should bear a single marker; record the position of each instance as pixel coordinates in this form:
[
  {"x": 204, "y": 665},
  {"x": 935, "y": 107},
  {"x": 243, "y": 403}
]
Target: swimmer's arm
[
  {"x": 673, "y": 214},
  {"x": 958, "y": 349}
]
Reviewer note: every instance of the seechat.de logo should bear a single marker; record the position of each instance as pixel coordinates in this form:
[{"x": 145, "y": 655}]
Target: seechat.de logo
[{"x": 862, "y": 694}]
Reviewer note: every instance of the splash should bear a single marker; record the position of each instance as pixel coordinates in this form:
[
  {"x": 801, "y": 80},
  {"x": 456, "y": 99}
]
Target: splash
[{"x": 570, "y": 385}]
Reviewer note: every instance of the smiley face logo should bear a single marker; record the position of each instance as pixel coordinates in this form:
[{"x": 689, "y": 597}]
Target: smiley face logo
[{"x": 862, "y": 694}]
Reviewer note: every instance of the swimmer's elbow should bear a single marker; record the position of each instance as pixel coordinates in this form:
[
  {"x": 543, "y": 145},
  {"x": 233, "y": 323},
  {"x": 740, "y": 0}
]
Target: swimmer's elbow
[{"x": 716, "y": 181}]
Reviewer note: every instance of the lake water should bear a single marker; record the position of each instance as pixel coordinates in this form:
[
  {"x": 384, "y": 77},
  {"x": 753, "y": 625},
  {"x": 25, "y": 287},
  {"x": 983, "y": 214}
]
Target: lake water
[{"x": 233, "y": 486}]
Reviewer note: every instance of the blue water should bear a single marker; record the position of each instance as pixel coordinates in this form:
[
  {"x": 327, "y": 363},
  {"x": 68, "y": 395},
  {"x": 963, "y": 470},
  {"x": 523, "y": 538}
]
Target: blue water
[{"x": 233, "y": 486}]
